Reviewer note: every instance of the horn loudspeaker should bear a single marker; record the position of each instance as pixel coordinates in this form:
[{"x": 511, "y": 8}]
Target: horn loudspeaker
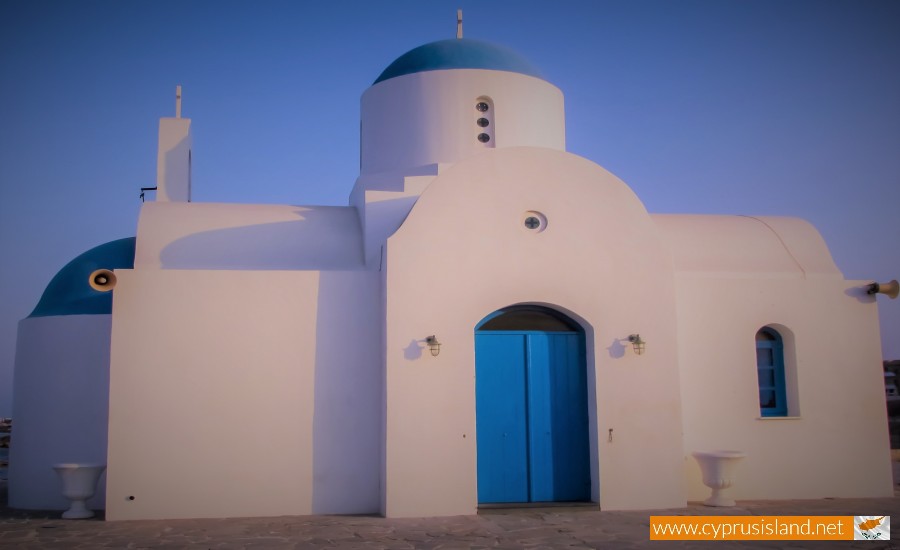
[
  {"x": 891, "y": 289},
  {"x": 102, "y": 280}
]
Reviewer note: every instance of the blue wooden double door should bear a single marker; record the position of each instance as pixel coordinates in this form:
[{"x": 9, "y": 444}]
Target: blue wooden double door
[{"x": 532, "y": 416}]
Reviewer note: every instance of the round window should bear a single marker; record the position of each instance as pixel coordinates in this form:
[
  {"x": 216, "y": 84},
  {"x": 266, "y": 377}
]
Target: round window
[
  {"x": 533, "y": 220},
  {"x": 484, "y": 138}
]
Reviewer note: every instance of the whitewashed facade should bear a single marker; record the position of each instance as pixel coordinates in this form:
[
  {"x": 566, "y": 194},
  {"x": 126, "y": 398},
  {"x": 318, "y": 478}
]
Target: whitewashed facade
[{"x": 272, "y": 360}]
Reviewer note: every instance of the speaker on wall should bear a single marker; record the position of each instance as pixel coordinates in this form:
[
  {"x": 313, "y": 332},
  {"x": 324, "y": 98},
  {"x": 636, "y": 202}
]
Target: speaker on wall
[
  {"x": 890, "y": 289},
  {"x": 102, "y": 280}
]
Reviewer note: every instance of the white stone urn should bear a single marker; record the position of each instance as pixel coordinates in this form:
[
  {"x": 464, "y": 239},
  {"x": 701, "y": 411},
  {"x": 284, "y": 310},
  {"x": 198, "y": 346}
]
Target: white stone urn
[
  {"x": 79, "y": 482},
  {"x": 718, "y": 468}
]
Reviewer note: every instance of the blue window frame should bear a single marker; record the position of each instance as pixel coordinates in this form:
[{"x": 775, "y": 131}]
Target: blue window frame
[{"x": 770, "y": 373}]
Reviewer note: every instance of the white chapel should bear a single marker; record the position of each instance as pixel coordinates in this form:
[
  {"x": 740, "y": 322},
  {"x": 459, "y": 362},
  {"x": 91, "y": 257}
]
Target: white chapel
[{"x": 490, "y": 320}]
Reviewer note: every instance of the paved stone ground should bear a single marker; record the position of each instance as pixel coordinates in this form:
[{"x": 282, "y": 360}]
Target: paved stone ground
[{"x": 533, "y": 528}]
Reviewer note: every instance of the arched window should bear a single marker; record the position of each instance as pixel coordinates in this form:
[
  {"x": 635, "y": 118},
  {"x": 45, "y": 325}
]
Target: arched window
[{"x": 770, "y": 373}]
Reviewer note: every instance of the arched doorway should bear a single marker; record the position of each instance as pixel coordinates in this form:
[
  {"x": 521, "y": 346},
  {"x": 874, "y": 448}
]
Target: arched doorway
[{"x": 531, "y": 407}]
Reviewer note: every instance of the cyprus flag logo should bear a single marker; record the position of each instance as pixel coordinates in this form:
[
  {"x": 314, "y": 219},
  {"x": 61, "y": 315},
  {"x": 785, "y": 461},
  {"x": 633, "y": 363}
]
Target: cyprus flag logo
[{"x": 871, "y": 527}]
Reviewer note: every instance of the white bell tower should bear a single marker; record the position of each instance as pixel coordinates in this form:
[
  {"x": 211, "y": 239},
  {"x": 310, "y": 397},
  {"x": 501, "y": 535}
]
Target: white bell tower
[{"x": 173, "y": 160}]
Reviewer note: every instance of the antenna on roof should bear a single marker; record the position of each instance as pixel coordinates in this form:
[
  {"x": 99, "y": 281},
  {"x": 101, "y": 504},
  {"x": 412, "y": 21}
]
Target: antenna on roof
[
  {"x": 458, "y": 23},
  {"x": 177, "y": 101}
]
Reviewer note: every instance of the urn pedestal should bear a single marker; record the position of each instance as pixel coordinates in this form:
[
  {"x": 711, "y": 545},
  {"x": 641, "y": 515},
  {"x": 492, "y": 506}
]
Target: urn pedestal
[
  {"x": 79, "y": 481},
  {"x": 718, "y": 469}
]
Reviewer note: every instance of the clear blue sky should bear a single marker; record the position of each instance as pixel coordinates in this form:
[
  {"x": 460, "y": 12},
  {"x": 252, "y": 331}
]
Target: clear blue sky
[{"x": 783, "y": 107}]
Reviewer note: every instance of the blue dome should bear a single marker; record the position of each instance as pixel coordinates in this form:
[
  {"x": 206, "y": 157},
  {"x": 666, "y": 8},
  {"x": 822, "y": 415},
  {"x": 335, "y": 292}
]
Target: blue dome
[
  {"x": 69, "y": 292},
  {"x": 459, "y": 53}
]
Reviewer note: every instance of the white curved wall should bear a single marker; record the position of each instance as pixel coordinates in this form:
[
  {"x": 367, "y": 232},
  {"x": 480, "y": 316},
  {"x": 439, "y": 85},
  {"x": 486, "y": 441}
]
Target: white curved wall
[
  {"x": 429, "y": 117},
  {"x": 182, "y": 235},
  {"x": 463, "y": 253},
  {"x": 746, "y": 246},
  {"x": 60, "y": 406}
]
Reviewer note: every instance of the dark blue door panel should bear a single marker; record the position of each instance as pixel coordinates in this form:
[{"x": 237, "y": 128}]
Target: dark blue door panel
[{"x": 569, "y": 419}]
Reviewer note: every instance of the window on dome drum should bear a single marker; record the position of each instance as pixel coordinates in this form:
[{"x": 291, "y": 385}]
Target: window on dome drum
[
  {"x": 770, "y": 373},
  {"x": 484, "y": 120}
]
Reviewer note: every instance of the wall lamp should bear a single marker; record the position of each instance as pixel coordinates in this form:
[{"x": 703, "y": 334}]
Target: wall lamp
[
  {"x": 637, "y": 343},
  {"x": 433, "y": 345}
]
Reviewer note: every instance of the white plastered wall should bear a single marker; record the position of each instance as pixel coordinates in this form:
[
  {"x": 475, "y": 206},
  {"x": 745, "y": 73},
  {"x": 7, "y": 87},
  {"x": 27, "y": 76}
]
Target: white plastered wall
[
  {"x": 463, "y": 253},
  {"x": 835, "y": 442},
  {"x": 173, "y": 235},
  {"x": 60, "y": 385},
  {"x": 736, "y": 275},
  {"x": 383, "y": 201},
  {"x": 237, "y": 393},
  {"x": 429, "y": 117}
]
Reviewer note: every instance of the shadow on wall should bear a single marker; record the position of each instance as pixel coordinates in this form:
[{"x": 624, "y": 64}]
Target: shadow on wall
[
  {"x": 348, "y": 395},
  {"x": 413, "y": 351},
  {"x": 319, "y": 239},
  {"x": 616, "y": 349},
  {"x": 859, "y": 292}
]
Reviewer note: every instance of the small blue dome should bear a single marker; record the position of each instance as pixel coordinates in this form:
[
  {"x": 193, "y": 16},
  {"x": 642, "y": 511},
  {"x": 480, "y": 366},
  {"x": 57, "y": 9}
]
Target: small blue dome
[
  {"x": 459, "y": 53},
  {"x": 69, "y": 292}
]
